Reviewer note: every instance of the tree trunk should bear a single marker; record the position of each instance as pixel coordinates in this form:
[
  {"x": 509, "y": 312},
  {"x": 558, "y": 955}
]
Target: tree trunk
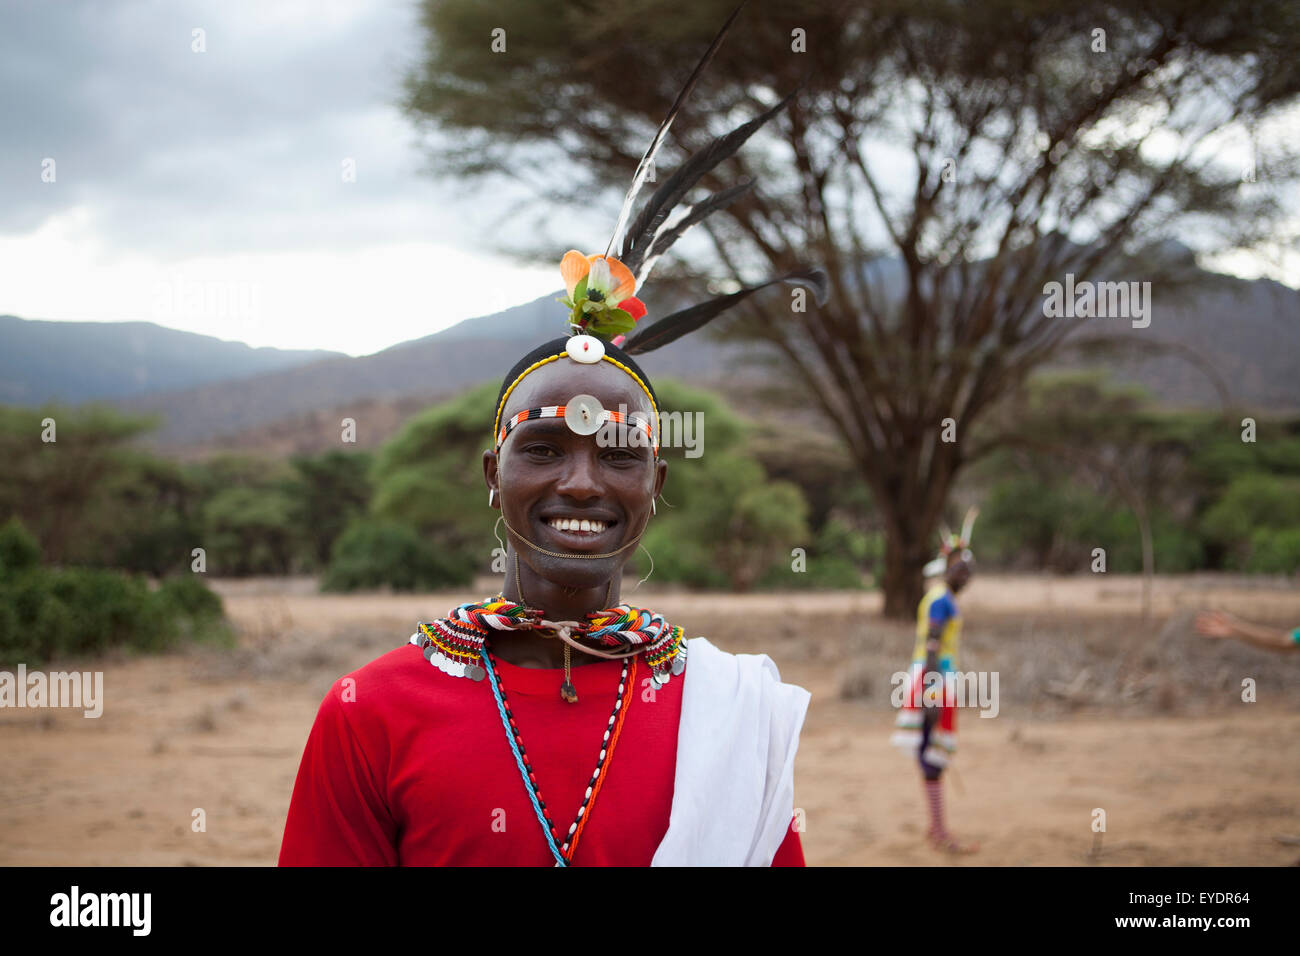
[
  {"x": 910, "y": 498},
  {"x": 906, "y": 552}
]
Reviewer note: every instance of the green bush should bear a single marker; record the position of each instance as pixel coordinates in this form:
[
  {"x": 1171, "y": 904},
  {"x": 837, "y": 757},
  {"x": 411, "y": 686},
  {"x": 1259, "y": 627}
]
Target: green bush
[
  {"x": 249, "y": 530},
  {"x": 52, "y": 612},
  {"x": 678, "y": 559},
  {"x": 835, "y": 561},
  {"x": 372, "y": 554},
  {"x": 1274, "y": 551},
  {"x": 188, "y": 596},
  {"x": 429, "y": 480},
  {"x": 106, "y": 609},
  {"x": 1249, "y": 514},
  {"x": 18, "y": 549},
  {"x": 78, "y": 611}
]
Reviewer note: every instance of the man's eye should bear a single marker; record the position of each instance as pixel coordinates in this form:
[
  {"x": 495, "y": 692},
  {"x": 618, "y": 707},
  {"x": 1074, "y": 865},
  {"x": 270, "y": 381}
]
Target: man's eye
[
  {"x": 542, "y": 451},
  {"x": 620, "y": 455}
]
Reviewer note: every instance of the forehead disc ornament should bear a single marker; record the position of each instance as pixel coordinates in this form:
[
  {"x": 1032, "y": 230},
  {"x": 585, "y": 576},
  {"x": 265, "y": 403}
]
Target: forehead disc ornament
[
  {"x": 584, "y": 414},
  {"x": 586, "y": 349}
]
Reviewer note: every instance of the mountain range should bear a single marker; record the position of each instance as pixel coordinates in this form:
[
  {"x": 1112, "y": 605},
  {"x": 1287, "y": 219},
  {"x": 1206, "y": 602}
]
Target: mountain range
[
  {"x": 84, "y": 361},
  {"x": 215, "y": 394}
]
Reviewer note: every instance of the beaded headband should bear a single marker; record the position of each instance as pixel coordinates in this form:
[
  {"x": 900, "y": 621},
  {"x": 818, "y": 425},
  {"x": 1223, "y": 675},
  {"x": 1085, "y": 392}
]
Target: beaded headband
[
  {"x": 584, "y": 416},
  {"x": 586, "y": 350}
]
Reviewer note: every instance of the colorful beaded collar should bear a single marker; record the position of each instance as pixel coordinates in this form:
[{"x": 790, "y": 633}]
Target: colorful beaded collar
[{"x": 456, "y": 644}]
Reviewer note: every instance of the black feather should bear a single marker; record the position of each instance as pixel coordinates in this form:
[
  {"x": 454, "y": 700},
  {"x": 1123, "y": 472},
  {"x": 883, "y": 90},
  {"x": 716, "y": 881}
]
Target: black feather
[
  {"x": 641, "y": 234},
  {"x": 643, "y": 168},
  {"x": 673, "y": 327},
  {"x": 665, "y": 237}
]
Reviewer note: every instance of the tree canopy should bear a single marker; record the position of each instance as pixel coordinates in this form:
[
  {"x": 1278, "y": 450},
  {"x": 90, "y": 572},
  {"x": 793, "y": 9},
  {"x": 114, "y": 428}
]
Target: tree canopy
[{"x": 943, "y": 162}]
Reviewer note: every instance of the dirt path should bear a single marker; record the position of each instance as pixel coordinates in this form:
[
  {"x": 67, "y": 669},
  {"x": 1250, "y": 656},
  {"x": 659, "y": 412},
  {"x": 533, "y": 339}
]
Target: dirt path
[{"x": 223, "y": 731}]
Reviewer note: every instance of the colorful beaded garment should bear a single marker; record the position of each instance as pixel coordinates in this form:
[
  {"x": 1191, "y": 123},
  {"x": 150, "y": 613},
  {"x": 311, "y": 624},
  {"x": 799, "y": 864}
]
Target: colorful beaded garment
[{"x": 456, "y": 643}]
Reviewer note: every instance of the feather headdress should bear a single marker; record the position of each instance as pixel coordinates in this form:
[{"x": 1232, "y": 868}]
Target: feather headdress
[
  {"x": 953, "y": 543},
  {"x": 601, "y": 289}
]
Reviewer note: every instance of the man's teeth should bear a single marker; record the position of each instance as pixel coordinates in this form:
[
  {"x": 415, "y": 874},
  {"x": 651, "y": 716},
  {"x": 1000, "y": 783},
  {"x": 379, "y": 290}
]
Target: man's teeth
[{"x": 576, "y": 524}]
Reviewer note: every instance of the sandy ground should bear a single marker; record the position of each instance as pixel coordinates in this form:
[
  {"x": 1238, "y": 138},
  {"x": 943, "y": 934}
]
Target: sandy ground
[{"x": 1098, "y": 710}]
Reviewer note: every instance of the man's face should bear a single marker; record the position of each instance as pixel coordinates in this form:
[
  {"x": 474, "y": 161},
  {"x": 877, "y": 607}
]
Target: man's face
[
  {"x": 958, "y": 575},
  {"x": 546, "y": 473}
]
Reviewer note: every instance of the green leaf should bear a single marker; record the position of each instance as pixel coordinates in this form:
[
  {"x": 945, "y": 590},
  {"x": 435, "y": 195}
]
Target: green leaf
[{"x": 614, "y": 322}]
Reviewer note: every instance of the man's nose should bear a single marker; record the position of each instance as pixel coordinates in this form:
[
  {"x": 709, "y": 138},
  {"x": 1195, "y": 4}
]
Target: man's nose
[{"x": 581, "y": 478}]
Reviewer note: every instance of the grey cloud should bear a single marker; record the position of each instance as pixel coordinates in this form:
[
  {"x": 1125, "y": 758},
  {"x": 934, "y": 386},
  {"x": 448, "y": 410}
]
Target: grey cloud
[{"x": 238, "y": 148}]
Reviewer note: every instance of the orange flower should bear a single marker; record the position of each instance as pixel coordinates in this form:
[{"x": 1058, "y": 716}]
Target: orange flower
[{"x": 614, "y": 281}]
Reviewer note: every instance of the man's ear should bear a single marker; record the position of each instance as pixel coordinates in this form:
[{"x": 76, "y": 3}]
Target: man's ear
[
  {"x": 661, "y": 473},
  {"x": 491, "y": 476}
]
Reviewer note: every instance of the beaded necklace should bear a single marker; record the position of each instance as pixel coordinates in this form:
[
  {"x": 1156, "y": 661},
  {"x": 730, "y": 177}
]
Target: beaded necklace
[
  {"x": 563, "y": 853},
  {"x": 454, "y": 644}
]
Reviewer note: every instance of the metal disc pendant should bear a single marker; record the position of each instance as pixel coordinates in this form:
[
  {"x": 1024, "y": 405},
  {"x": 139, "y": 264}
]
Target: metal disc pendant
[
  {"x": 586, "y": 349},
  {"x": 429, "y": 651},
  {"x": 679, "y": 664},
  {"x": 584, "y": 414},
  {"x": 475, "y": 673}
]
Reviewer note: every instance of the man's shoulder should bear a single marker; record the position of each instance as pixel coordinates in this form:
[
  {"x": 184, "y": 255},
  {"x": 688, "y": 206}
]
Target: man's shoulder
[
  {"x": 396, "y": 663},
  {"x": 940, "y": 601},
  {"x": 384, "y": 683}
]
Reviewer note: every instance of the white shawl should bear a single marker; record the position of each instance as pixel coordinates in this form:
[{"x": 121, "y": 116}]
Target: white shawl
[{"x": 733, "y": 790}]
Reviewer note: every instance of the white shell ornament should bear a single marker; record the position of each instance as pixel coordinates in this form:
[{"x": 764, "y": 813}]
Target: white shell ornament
[
  {"x": 584, "y": 414},
  {"x": 586, "y": 349}
]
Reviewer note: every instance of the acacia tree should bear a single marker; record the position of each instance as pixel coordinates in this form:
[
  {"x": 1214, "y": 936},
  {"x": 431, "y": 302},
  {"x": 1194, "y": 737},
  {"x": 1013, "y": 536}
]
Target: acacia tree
[{"x": 941, "y": 161}]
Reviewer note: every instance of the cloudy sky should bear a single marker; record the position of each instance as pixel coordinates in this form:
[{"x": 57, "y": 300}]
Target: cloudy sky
[
  {"x": 206, "y": 190},
  {"x": 186, "y": 163}
]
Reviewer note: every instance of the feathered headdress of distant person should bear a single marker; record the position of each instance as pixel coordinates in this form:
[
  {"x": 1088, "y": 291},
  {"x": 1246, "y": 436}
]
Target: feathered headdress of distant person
[
  {"x": 602, "y": 288},
  {"x": 953, "y": 544}
]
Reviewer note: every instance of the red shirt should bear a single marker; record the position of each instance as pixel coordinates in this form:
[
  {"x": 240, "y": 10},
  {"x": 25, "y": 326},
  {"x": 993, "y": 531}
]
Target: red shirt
[{"x": 408, "y": 766}]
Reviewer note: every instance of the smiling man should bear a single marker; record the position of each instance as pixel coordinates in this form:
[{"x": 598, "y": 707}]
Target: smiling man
[
  {"x": 642, "y": 748},
  {"x": 486, "y": 739}
]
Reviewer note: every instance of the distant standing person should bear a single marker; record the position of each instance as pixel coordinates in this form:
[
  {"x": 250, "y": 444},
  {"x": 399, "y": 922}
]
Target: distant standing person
[
  {"x": 929, "y": 728},
  {"x": 1222, "y": 624}
]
